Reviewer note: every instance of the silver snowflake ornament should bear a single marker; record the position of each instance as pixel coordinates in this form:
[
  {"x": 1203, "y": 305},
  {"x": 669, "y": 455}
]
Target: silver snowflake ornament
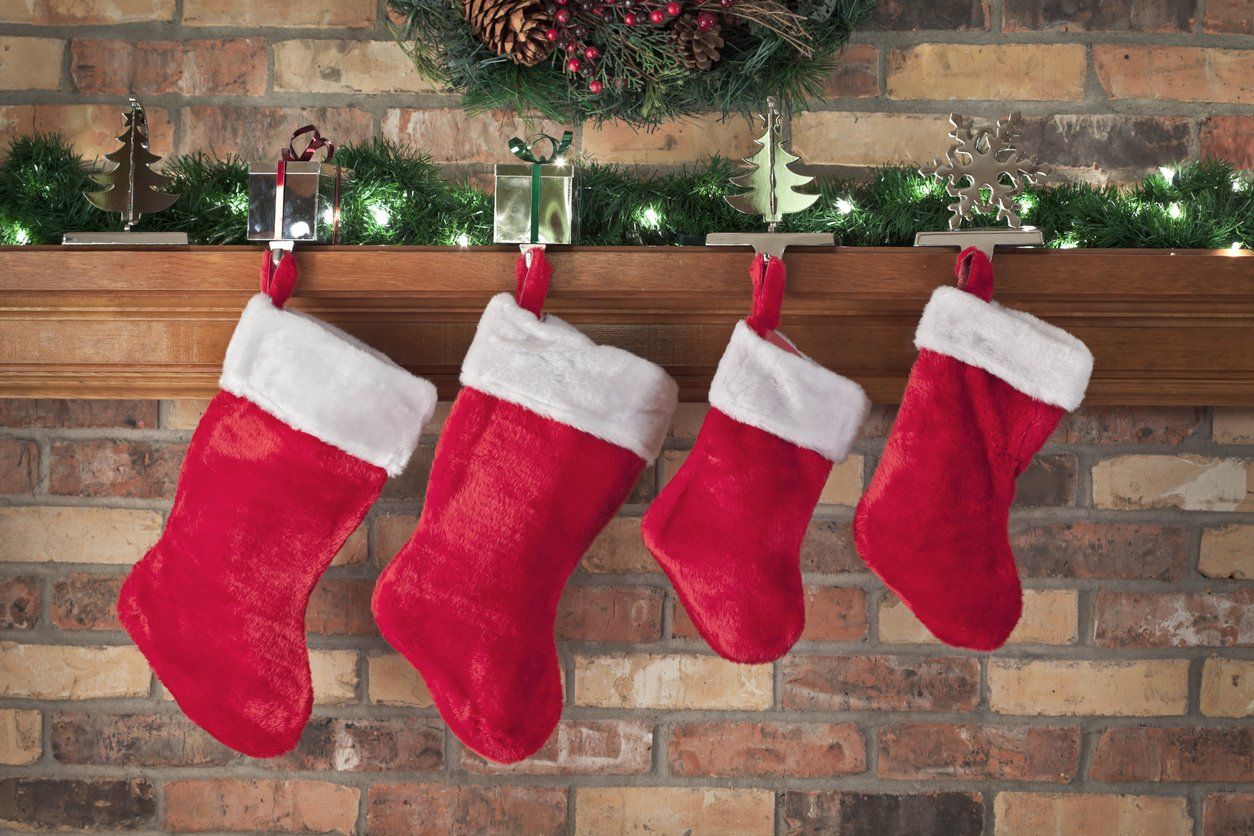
[{"x": 984, "y": 169}]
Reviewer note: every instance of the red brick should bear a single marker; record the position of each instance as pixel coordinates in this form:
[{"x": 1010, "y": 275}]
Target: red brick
[
  {"x": 77, "y": 414},
  {"x": 1098, "y": 550},
  {"x": 610, "y": 614},
  {"x": 931, "y": 751},
  {"x": 1091, "y": 145},
  {"x": 261, "y": 132},
  {"x": 762, "y": 748},
  {"x": 1048, "y": 481},
  {"x": 940, "y": 14},
  {"x": 70, "y": 804},
  {"x": 19, "y": 602},
  {"x": 295, "y": 806},
  {"x": 91, "y": 129},
  {"x": 1175, "y": 754},
  {"x": 31, "y": 63},
  {"x": 1235, "y": 16},
  {"x": 103, "y": 12},
  {"x": 134, "y": 740},
  {"x": 833, "y": 614},
  {"x": 1177, "y": 619},
  {"x": 1229, "y": 138},
  {"x": 1178, "y": 73},
  {"x": 880, "y": 683},
  {"x": 322, "y": 14},
  {"x": 1039, "y": 813},
  {"x": 451, "y": 135},
  {"x": 1228, "y": 814},
  {"x": 1040, "y": 72},
  {"x": 582, "y": 747},
  {"x": 341, "y": 607},
  {"x": 439, "y": 809},
  {"x": 856, "y": 75},
  {"x": 828, "y": 548},
  {"x": 218, "y": 67},
  {"x": 1094, "y": 16},
  {"x": 83, "y": 601},
  {"x": 19, "y": 465},
  {"x": 867, "y": 814},
  {"x": 401, "y": 744},
  {"x": 132, "y": 469},
  {"x": 1129, "y": 425}
]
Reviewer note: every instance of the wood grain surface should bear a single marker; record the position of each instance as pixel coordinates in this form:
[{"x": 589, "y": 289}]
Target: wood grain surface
[{"x": 1165, "y": 327}]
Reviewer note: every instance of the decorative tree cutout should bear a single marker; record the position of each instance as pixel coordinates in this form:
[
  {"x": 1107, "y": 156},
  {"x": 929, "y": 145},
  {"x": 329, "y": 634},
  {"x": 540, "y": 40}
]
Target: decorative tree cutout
[
  {"x": 985, "y": 160},
  {"x": 131, "y": 187},
  {"x": 772, "y": 183}
]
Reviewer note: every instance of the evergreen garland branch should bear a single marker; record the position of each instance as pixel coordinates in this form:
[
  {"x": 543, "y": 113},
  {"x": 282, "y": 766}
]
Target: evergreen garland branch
[
  {"x": 783, "y": 48},
  {"x": 398, "y": 196}
]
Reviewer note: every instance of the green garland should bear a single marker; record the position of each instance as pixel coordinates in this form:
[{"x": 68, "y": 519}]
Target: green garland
[
  {"x": 399, "y": 197},
  {"x": 642, "y": 80}
]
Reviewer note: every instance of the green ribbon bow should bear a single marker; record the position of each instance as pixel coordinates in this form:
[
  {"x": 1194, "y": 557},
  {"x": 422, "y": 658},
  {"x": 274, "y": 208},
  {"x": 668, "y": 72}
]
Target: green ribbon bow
[{"x": 525, "y": 151}]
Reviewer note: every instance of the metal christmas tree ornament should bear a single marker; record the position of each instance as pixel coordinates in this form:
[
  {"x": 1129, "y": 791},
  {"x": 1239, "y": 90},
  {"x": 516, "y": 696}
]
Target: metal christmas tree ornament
[
  {"x": 131, "y": 189},
  {"x": 986, "y": 171},
  {"x": 772, "y": 193}
]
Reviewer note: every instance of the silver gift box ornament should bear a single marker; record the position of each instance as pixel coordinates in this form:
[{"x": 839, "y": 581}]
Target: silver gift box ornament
[
  {"x": 305, "y": 207},
  {"x": 557, "y": 214},
  {"x": 537, "y": 203}
]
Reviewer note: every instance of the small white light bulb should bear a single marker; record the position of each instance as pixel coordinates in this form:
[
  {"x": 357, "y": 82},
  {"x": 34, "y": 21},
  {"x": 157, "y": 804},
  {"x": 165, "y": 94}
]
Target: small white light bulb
[
  {"x": 381, "y": 214},
  {"x": 1235, "y": 247},
  {"x": 1175, "y": 211},
  {"x": 1168, "y": 173},
  {"x": 651, "y": 218},
  {"x": 844, "y": 206},
  {"x": 463, "y": 240}
]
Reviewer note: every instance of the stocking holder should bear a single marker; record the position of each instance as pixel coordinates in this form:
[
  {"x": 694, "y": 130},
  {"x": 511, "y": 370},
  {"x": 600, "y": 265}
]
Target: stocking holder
[
  {"x": 985, "y": 171},
  {"x": 771, "y": 184}
]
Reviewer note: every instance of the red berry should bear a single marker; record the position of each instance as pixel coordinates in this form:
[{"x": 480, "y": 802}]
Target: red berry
[
  {"x": 571, "y": 46},
  {"x": 673, "y": 9},
  {"x": 563, "y": 15},
  {"x": 594, "y": 87},
  {"x": 573, "y": 65},
  {"x": 592, "y": 53},
  {"x": 551, "y": 34},
  {"x": 727, "y": 4},
  {"x": 657, "y": 16},
  {"x": 629, "y": 19},
  {"x": 706, "y": 21}
]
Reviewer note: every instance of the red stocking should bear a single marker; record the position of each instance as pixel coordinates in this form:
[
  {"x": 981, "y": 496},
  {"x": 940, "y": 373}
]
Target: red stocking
[
  {"x": 543, "y": 444},
  {"x": 727, "y": 529},
  {"x": 988, "y": 388},
  {"x": 283, "y": 466}
]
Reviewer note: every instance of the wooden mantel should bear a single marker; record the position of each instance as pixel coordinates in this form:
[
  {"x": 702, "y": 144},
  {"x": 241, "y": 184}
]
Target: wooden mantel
[{"x": 1165, "y": 327}]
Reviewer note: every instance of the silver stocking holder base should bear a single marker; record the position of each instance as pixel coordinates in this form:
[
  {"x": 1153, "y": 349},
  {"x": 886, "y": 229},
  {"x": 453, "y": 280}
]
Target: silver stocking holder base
[{"x": 124, "y": 239}]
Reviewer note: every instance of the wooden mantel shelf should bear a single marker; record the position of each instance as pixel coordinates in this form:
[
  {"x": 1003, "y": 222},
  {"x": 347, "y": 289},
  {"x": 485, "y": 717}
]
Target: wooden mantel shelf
[{"x": 1165, "y": 327}]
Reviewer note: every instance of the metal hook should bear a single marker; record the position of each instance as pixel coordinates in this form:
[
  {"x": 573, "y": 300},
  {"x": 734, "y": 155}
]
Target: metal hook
[
  {"x": 277, "y": 248},
  {"x": 770, "y": 244},
  {"x": 527, "y": 250}
]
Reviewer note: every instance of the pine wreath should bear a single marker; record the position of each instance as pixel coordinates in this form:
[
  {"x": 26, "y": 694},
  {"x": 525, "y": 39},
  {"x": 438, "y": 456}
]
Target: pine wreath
[{"x": 641, "y": 61}]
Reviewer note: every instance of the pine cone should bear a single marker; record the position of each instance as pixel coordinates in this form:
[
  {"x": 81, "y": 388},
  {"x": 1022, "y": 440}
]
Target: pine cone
[
  {"x": 513, "y": 28},
  {"x": 698, "y": 50}
]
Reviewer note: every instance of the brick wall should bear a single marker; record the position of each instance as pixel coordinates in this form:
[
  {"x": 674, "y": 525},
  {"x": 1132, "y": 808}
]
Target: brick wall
[
  {"x": 1112, "y": 89},
  {"x": 1122, "y": 703}
]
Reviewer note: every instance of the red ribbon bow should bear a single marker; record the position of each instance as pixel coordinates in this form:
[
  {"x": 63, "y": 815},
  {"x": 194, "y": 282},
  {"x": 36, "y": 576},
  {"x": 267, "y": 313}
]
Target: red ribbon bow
[{"x": 316, "y": 142}]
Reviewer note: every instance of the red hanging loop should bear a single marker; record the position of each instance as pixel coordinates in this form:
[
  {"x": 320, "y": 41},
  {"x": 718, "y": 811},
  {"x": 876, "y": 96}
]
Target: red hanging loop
[
  {"x": 278, "y": 281},
  {"x": 532, "y": 283},
  {"x": 975, "y": 273},
  {"x": 768, "y": 278}
]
